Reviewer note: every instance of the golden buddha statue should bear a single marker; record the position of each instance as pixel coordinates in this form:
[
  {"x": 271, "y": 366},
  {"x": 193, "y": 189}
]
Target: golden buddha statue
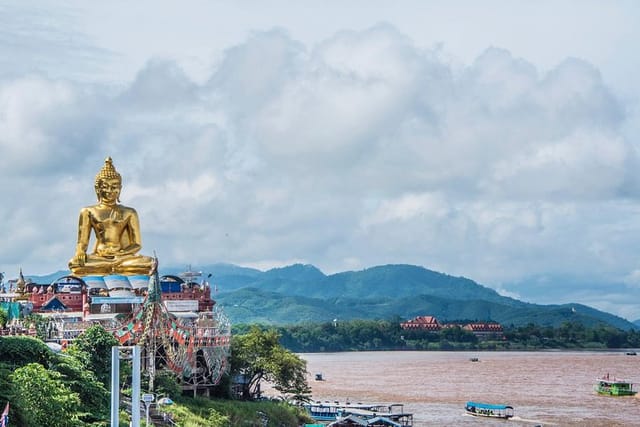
[{"x": 116, "y": 230}]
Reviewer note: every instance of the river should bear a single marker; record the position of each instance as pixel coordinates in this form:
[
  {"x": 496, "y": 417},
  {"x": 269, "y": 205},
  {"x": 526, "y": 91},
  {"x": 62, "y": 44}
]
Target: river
[{"x": 545, "y": 388}]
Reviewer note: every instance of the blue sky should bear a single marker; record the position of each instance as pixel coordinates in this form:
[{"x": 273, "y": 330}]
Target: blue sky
[{"x": 495, "y": 140}]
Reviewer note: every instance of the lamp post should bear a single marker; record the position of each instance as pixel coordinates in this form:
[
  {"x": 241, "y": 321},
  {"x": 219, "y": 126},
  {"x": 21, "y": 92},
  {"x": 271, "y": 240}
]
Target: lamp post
[{"x": 147, "y": 398}]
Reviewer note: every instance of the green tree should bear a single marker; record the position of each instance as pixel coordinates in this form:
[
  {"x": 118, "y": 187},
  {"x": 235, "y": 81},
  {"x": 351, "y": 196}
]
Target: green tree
[
  {"x": 19, "y": 351},
  {"x": 258, "y": 356},
  {"x": 4, "y": 317},
  {"x": 43, "y": 399},
  {"x": 92, "y": 393},
  {"x": 40, "y": 323},
  {"x": 93, "y": 349},
  {"x": 166, "y": 383},
  {"x": 291, "y": 376}
]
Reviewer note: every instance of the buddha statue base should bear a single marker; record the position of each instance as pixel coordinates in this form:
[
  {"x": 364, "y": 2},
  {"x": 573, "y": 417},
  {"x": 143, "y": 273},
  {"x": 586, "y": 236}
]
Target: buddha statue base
[{"x": 105, "y": 266}]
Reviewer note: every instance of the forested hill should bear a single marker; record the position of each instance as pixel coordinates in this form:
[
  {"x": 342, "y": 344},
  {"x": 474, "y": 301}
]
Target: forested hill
[
  {"x": 388, "y": 281},
  {"x": 300, "y": 293}
]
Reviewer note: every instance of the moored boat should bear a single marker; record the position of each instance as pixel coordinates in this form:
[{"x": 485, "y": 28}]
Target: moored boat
[
  {"x": 357, "y": 421},
  {"x": 611, "y": 386},
  {"x": 368, "y": 414},
  {"x": 330, "y": 411},
  {"x": 478, "y": 409}
]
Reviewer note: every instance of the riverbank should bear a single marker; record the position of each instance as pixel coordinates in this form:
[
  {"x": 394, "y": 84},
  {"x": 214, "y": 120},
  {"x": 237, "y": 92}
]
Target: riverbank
[{"x": 381, "y": 335}]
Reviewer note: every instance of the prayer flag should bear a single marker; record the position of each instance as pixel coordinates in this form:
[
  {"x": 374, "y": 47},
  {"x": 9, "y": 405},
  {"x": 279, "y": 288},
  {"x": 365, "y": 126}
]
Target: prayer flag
[{"x": 4, "y": 421}]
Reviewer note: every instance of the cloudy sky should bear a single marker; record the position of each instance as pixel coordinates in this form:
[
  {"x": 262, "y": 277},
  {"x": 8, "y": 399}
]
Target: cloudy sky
[{"x": 496, "y": 140}]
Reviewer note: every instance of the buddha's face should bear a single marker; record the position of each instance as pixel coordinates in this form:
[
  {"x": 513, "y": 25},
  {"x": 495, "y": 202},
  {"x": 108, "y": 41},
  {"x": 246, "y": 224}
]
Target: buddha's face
[{"x": 108, "y": 190}]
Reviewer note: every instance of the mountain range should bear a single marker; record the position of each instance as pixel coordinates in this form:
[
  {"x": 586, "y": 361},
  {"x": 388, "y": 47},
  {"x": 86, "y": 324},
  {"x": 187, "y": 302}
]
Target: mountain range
[{"x": 302, "y": 293}]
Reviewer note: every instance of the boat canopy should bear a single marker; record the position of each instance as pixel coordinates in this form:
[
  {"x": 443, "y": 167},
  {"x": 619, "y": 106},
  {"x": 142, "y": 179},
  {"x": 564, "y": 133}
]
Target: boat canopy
[
  {"x": 354, "y": 420},
  {"x": 488, "y": 406}
]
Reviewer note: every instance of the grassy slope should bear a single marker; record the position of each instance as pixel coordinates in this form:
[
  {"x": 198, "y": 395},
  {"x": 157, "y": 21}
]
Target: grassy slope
[{"x": 199, "y": 412}]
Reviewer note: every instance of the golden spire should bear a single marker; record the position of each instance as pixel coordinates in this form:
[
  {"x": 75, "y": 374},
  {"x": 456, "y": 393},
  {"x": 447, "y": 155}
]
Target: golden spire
[
  {"x": 108, "y": 171},
  {"x": 20, "y": 285}
]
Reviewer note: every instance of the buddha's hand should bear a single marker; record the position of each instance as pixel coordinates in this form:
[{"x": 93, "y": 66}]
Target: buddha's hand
[
  {"x": 106, "y": 253},
  {"x": 80, "y": 257}
]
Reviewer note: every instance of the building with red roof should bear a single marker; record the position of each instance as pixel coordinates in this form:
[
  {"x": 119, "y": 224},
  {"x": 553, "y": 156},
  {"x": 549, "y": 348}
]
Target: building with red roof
[{"x": 428, "y": 323}]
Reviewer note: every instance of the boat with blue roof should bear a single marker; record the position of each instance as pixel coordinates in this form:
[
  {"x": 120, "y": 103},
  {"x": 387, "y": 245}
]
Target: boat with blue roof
[{"x": 478, "y": 409}]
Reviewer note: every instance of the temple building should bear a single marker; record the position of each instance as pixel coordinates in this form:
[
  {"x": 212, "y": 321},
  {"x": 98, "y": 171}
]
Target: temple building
[
  {"x": 427, "y": 323},
  {"x": 482, "y": 330},
  {"x": 485, "y": 330}
]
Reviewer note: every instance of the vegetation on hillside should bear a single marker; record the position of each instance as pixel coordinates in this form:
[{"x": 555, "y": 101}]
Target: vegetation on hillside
[
  {"x": 202, "y": 412},
  {"x": 49, "y": 389},
  {"x": 301, "y": 293},
  {"x": 364, "y": 335}
]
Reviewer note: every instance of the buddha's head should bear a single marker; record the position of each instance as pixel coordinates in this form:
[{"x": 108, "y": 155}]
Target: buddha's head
[{"x": 108, "y": 183}]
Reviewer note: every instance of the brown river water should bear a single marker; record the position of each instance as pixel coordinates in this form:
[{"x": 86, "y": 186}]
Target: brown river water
[{"x": 545, "y": 388}]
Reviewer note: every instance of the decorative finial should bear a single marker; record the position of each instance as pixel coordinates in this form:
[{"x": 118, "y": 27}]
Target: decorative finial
[
  {"x": 154, "y": 265},
  {"x": 108, "y": 171},
  {"x": 20, "y": 285}
]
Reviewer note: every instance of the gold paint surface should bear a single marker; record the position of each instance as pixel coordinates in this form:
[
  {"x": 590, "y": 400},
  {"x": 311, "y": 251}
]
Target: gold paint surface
[{"x": 115, "y": 229}]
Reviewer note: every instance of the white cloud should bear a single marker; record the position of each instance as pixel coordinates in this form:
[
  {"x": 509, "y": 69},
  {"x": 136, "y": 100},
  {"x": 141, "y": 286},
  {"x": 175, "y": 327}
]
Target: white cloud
[
  {"x": 585, "y": 164},
  {"x": 407, "y": 207},
  {"x": 350, "y": 92},
  {"x": 32, "y": 112},
  {"x": 160, "y": 85},
  {"x": 363, "y": 146}
]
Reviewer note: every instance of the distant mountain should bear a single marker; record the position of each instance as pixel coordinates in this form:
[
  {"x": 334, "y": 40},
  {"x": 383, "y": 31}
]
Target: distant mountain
[
  {"x": 389, "y": 281},
  {"x": 303, "y": 293},
  {"x": 252, "y": 305},
  {"x": 298, "y": 293},
  {"x": 235, "y": 277}
]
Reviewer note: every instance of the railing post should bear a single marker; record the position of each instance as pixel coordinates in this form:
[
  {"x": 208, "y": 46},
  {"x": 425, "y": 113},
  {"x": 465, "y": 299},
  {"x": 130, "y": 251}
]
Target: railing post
[
  {"x": 135, "y": 387},
  {"x": 115, "y": 386},
  {"x": 132, "y": 353}
]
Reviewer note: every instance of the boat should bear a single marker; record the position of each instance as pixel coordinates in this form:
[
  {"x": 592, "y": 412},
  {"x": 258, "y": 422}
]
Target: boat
[
  {"x": 343, "y": 414},
  {"x": 489, "y": 410},
  {"x": 356, "y": 421},
  {"x": 611, "y": 386},
  {"x": 631, "y": 353},
  {"x": 329, "y": 411}
]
